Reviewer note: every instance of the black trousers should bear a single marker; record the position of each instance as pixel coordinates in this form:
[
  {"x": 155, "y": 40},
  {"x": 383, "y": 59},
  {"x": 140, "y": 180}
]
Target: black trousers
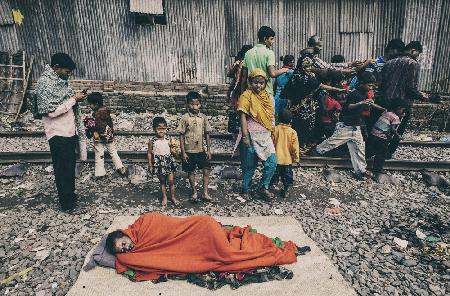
[
  {"x": 326, "y": 129},
  {"x": 393, "y": 144},
  {"x": 378, "y": 147},
  {"x": 285, "y": 173},
  {"x": 64, "y": 159}
]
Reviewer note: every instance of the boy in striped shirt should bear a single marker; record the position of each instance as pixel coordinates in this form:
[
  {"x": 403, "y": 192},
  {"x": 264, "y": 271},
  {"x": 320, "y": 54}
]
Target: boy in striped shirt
[{"x": 384, "y": 130}]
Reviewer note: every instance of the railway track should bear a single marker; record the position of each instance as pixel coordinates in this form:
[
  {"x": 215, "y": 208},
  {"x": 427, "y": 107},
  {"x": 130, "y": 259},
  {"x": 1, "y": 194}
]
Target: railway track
[
  {"x": 225, "y": 136},
  {"x": 222, "y": 158},
  {"x": 43, "y": 157}
]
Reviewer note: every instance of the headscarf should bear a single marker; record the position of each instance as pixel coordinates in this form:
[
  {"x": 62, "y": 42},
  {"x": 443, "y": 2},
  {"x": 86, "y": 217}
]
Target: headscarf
[
  {"x": 257, "y": 105},
  {"x": 302, "y": 83}
]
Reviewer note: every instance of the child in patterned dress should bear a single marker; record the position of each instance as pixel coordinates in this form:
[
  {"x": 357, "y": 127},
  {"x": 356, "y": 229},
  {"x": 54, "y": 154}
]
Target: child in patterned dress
[{"x": 160, "y": 159}]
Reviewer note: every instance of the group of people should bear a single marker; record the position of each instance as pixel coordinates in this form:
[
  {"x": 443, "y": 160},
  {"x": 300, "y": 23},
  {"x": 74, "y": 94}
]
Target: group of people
[
  {"x": 364, "y": 104},
  {"x": 56, "y": 104}
]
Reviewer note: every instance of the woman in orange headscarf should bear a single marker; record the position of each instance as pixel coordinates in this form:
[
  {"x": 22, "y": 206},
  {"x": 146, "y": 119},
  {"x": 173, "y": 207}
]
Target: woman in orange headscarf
[{"x": 256, "y": 110}]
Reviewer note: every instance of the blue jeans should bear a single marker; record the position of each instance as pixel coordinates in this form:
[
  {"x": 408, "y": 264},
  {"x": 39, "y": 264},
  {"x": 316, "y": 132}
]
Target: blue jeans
[{"x": 249, "y": 162}]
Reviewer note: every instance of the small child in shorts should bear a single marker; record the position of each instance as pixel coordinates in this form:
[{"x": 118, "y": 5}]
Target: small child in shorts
[
  {"x": 195, "y": 144},
  {"x": 160, "y": 159}
]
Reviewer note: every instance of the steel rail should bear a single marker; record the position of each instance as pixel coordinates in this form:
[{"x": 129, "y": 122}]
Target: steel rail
[
  {"x": 225, "y": 158},
  {"x": 224, "y": 136}
]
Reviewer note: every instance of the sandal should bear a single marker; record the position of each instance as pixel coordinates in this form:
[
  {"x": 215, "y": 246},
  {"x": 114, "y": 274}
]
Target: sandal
[{"x": 174, "y": 201}]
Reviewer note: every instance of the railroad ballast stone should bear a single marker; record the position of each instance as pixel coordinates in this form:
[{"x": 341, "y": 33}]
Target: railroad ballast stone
[{"x": 360, "y": 241}]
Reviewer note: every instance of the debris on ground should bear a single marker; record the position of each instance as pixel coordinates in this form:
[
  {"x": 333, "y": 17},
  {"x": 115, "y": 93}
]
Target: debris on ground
[{"x": 16, "y": 170}]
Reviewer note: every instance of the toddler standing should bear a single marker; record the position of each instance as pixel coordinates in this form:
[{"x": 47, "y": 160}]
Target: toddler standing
[
  {"x": 100, "y": 127},
  {"x": 160, "y": 159},
  {"x": 287, "y": 150}
]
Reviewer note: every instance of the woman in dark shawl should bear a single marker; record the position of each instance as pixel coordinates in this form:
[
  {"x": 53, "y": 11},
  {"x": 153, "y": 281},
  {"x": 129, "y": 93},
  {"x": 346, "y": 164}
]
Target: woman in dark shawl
[{"x": 299, "y": 92}]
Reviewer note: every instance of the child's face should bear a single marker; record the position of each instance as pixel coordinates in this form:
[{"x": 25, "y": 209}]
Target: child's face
[
  {"x": 93, "y": 106},
  {"x": 258, "y": 84},
  {"x": 269, "y": 41},
  {"x": 161, "y": 130},
  {"x": 414, "y": 53},
  {"x": 194, "y": 106},
  {"x": 400, "y": 111},
  {"x": 365, "y": 87}
]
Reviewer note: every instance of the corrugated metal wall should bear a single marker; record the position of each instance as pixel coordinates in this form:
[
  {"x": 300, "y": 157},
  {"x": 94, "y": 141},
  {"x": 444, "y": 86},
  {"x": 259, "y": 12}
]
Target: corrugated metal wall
[
  {"x": 201, "y": 35},
  {"x": 422, "y": 23},
  {"x": 6, "y": 17},
  {"x": 441, "y": 64}
]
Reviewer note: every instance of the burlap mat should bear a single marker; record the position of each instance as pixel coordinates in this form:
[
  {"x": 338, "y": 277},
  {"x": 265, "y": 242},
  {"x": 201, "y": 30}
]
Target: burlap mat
[{"x": 314, "y": 274}]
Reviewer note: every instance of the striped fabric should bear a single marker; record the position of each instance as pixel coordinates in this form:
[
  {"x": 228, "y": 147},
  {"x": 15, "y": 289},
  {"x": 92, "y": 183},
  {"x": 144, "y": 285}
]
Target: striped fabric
[{"x": 400, "y": 79}]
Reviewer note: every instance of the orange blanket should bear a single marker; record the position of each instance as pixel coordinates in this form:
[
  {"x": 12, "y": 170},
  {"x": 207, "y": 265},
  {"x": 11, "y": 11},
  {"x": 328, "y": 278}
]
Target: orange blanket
[{"x": 168, "y": 245}]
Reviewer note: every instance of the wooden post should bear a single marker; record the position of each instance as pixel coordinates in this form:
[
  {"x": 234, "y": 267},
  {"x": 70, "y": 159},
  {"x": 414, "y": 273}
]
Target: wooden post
[{"x": 26, "y": 80}]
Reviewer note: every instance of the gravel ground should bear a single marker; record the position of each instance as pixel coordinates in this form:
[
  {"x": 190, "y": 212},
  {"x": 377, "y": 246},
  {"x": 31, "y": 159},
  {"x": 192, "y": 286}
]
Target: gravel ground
[
  {"x": 136, "y": 143},
  {"x": 142, "y": 121},
  {"x": 129, "y": 143},
  {"x": 360, "y": 241},
  {"x": 122, "y": 121}
]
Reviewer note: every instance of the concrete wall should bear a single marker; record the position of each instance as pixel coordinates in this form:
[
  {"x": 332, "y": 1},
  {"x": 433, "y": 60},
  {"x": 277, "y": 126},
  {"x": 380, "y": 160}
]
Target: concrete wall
[{"x": 130, "y": 96}]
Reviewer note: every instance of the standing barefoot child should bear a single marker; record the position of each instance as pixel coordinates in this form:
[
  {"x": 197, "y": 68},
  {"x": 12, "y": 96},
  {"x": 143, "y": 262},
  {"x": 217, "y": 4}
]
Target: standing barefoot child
[
  {"x": 102, "y": 131},
  {"x": 160, "y": 159},
  {"x": 194, "y": 138},
  {"x": 287, "y": 151}
]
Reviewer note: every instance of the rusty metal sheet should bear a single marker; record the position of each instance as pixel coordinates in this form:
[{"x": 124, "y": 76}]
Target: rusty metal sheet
[{"x": 201, "y": 35}]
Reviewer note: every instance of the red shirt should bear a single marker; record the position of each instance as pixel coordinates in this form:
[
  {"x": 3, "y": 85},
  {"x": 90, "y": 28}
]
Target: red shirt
[
  {"x": 370, "y": 95},
  {"x": 331, "y": 105}
]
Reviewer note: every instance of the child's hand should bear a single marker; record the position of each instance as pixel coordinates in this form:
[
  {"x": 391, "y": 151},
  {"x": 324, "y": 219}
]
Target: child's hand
[
  {"x": 79, "y": 96},
  {"x": 208, "y": 154},
  {"x": 150, "y": 169},
  {"x": 96, "y": 136},
  {"x": 185, "y": 157}
]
